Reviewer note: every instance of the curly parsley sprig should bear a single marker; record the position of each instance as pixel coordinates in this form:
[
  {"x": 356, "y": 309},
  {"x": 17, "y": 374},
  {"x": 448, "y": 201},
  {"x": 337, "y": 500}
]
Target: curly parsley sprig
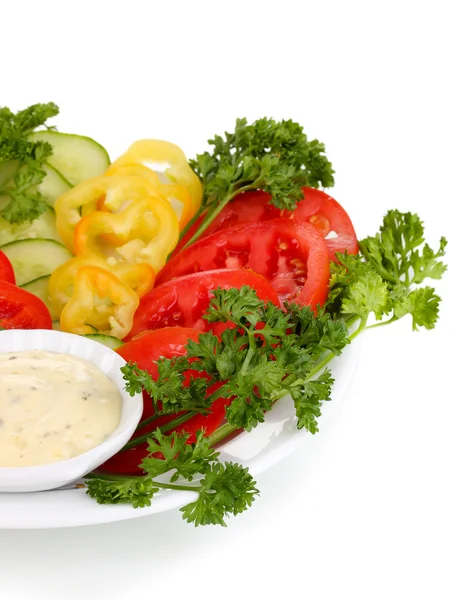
[
  {"x": 222, "y": 489},
  {"x": 268, "y": 155},
  {"x": 22, "y": 162},
  {"x": 384, "y": 279}
]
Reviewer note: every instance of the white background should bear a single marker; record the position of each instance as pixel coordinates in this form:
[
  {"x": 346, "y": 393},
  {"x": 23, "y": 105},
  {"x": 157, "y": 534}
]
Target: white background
[{"x": 379, "y": 505}]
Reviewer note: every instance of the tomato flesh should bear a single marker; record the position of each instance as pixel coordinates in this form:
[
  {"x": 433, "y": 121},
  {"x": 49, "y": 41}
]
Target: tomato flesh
[
  {"x": 184, "y": 300},
  {"x": 145, "y": 350},
  {"x": 20, "y": 309},
  {"x": 6, "y": 270},
  {"x": 317, "y": 208},
  {"x": 290, "y": 254}
]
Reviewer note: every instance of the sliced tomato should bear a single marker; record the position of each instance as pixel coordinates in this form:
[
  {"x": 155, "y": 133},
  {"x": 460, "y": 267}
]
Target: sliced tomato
[
  {"x": 20, "y": 309},
  {"x": 6, "y": 269},
  {"x": 292, "y": 255},
  {"x": 319, "y": 209},
  {"x": 328, "y": 217},
  {"x": 127, "y": 462},
  {"x": 183, "y": 301},
  {"x": 145, "y": 350}
]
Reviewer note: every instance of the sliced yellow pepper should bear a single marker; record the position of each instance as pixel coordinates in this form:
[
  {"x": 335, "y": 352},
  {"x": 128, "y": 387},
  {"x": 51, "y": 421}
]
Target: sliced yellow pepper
[
  {"x": 134, "y": 170},
  {"x": 169, "y": 161},
  {"x": 140, "y": 278},
  {"x": 177, "y": 195},
  {"x": 145, "y": 232},
  {"x": 100, "y": 301},
  {"x": 83, "y": 199}
]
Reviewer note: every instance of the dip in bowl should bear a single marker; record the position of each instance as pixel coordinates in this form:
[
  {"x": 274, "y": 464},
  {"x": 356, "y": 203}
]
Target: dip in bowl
[{"x": 63, "y": 408}]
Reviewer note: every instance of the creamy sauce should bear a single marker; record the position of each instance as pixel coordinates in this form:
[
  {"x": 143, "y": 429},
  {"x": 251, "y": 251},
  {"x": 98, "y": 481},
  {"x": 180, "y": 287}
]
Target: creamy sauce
[{"x": 53, "y": 407}]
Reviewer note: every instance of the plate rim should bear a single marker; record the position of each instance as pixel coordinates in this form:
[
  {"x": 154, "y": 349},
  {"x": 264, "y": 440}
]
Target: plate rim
[{"x": 86, "y": 512}]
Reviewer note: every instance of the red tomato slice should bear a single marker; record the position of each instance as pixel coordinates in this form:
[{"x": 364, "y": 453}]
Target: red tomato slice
[
  {"x": 144, "y": 351},
  {"x": 290, "y": 254},
  {"x": 183, "y": 301},
  {"x": 317, "y": 208},
  {"x": 20, "y": 309},
  {"x": 127, "y": 462},
  {"x": 327, "y": 216},
  {"x": 6, "y": 269}
]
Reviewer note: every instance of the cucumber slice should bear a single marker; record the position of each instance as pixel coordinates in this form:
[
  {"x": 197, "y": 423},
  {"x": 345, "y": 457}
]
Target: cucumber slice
[
  {"x": 7, "y": 171},
  {"x": 43, "y": 227},
  {"x": 39, "y": 287},
  {"x": 76, "y": 157},
  {"x": 53, "y": 185},
  {"x": 35, "y": 258},
  {"x": 107, "y": 340}
]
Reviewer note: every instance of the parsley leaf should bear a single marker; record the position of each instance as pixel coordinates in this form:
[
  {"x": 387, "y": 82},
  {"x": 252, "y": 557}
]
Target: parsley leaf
[
  {"x": 382, "y": 279},
  {"x": 186, "y": 459},
  {"x": 22, "y": 161},
  {"x": 273, "y": 156},
  {"x": 168, "y": 389},
  {"x": 422, "y": 304},
  {"x": 395, "y": 251},
  {"x": 308, "y": 398},
  {"x": 223, "y": 489},
  {"x": 226, "y": 489},
  {"x": 137, "y": 491}
]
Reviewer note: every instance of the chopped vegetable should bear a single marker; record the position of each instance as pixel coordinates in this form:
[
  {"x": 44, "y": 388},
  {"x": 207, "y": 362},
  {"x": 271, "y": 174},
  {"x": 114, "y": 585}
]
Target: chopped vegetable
[
  {"x": 20, "y": 309},
  {"x": 35, "y": 258},
  {"x": 6, "y": 269},
  {"x": 144, "y": 232},
  {"x": 276, "y": 157},
  {"x": 140, "y": 278},
  {"x": 318, "y": 209},
  {"x": 76, "y": 157},
  {"x": 184, "y": 300},
  {"x": 290, "y": 254},
  {"x": 43, "y": 227},
  {"x": 22, "y": 162},
  {"x": 171, "y": 164},
  {"x": 99, "y": 300},
  {"x": 177, "y": 195},
  {"x": 84, "y": 198}
]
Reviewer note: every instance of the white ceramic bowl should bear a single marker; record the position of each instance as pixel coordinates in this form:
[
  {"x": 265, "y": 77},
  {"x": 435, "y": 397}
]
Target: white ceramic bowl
[{"x": 47, "y": 477}]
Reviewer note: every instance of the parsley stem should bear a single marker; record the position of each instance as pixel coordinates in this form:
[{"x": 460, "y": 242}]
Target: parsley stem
[
  {"x": 173, "y": 486},
  {"x": 221, "y": 433},
  {"x": 164, "y": 429},
  {"x": 191, "y": 222},
  {"x": 212, "y": 215},
  {"x": 119, "y": 478},
  {"x": 379, "y": 323},
  {"x": 168, "y": 426},
  {"x": 148, "y": 421},
  {"x": 225, "y": 430}
]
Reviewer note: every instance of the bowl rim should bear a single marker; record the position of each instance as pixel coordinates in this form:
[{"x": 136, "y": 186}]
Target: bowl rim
[{"x": 135, "y": 402}]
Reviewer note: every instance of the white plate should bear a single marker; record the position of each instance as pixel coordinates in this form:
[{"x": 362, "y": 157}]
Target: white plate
[{"x": 260, "y": 449}]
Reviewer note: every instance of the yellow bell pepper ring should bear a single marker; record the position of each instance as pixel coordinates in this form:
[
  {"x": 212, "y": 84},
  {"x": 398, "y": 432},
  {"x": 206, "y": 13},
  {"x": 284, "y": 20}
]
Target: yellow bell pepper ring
[
  {"x": 83, "y": 199},
  {"x": 145, "y": 232},
  {"x": 140, "y": 278},
  {"x": 177, "y": 195},
  {"x": 134, "y": 170},
  {"x": 100, "y": 301},
  {"x": 169, "y": 161}
]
